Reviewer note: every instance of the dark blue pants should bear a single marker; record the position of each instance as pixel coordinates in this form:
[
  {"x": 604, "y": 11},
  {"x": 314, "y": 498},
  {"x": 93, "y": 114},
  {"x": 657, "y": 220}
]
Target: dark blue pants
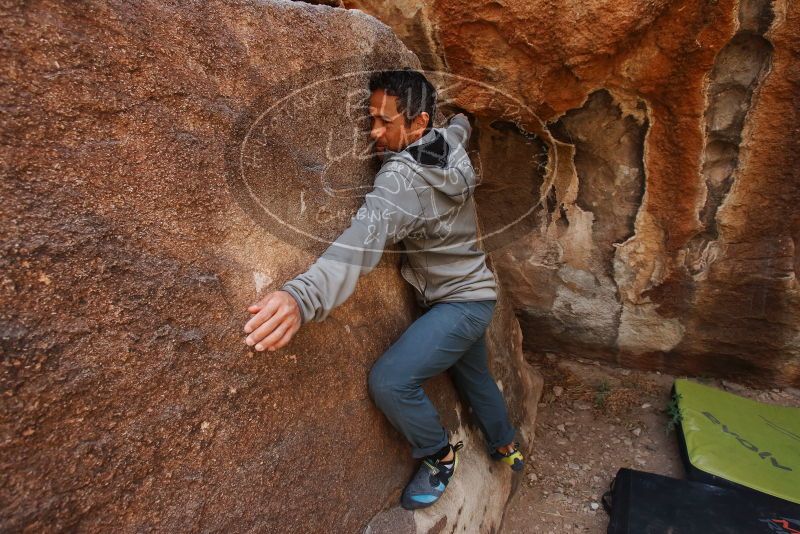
[{"x": 450, "y": 335}]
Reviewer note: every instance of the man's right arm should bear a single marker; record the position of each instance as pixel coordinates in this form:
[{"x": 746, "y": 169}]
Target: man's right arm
[{"x": 389, "y": 213}]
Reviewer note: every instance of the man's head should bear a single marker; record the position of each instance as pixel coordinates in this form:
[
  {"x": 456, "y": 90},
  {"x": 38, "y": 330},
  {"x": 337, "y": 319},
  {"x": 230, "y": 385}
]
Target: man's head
[{"x": 401, "y": 108}]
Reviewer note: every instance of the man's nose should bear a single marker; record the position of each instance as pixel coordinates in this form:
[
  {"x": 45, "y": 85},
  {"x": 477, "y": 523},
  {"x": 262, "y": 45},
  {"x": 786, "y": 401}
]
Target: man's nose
[{"x": 376, "y": 133}]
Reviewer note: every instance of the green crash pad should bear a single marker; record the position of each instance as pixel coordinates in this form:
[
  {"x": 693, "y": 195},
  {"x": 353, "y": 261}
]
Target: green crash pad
[{"x": 739, "y": 440}]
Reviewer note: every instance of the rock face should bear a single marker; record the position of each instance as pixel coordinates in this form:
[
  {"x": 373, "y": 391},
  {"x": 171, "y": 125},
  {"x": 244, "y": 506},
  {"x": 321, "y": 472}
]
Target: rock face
[
  {"x": 152, "y": 158},
  {"x": 665, "y": 226}
]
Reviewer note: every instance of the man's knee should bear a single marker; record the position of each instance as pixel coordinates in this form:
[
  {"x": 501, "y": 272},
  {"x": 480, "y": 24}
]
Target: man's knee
[
  {"x": 384, "y": 384},
  {"x": 376, "y": 380}
]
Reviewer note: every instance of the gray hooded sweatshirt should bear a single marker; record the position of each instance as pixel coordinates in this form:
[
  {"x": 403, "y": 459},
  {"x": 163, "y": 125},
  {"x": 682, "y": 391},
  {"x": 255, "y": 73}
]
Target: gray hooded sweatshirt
[{"x": 422, "y": 198}]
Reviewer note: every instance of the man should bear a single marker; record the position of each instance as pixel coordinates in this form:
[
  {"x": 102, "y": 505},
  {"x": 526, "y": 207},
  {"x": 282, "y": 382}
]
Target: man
[{"x": 423, "y": 198}]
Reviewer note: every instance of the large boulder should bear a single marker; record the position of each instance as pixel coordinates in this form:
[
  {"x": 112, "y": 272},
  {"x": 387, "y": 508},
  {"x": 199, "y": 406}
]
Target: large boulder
[
  {"x": 665, "y": 228},
  {"x": 164, "y": 164}
]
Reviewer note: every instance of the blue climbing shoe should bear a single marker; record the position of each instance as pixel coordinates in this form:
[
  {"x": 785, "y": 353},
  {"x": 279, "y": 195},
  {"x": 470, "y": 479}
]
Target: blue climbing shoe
[
  {"x": 514, "y": 459},
  {"x": 429, "y": 482}
]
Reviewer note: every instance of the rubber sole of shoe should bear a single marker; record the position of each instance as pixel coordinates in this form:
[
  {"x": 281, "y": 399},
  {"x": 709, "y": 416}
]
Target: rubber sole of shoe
[
  {"x": 515, "y": 460},
  {"x": 410, "y": 504}
]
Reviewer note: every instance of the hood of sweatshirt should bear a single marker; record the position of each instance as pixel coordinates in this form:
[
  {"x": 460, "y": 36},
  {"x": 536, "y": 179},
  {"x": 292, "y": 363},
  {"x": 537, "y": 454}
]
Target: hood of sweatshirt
[{"x": 439, "y": 160}]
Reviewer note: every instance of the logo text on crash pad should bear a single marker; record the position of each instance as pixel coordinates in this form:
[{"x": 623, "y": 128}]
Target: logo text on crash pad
[{"x": 750, "y": 446}]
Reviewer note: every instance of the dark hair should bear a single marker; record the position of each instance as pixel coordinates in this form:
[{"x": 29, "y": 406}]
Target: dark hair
[{"x": 414, "y": 92}]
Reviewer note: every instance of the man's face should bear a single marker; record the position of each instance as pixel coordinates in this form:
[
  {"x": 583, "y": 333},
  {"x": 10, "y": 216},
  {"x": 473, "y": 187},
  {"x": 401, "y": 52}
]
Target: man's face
[{"x": 389, "y": 129}]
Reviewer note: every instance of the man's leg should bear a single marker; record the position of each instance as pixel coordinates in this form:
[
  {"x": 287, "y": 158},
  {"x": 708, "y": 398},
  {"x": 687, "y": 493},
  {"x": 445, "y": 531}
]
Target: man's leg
[
  {"x": 476, "y": 385},
  {"x": 432, "y": 344}
]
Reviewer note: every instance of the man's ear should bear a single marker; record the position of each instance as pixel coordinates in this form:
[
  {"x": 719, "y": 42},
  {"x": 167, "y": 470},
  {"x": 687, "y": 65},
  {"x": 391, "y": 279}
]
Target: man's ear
[{"x": 421, "y": 121}]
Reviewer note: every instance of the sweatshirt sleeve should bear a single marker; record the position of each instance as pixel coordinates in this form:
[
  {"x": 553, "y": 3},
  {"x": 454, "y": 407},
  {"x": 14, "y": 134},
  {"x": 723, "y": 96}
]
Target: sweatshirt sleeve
[
  {"x": 389, "y": 213},
  {"x": 460, "y": 128}
]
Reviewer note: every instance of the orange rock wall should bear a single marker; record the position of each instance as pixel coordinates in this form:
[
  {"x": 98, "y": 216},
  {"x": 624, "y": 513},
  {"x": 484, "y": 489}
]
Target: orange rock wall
[{"x": 665, "y": 232}]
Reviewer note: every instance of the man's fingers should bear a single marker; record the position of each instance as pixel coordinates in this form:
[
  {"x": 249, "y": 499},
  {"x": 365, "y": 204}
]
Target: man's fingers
[
  {"x": 276, "y": 334},
  {"x": 276, "y": 318},
  {"x": 282, "y": 342},
  {"x": 267, "y": 328},
  {"x": 257, "y": 320},
  {"x": 262, "y": 315}
]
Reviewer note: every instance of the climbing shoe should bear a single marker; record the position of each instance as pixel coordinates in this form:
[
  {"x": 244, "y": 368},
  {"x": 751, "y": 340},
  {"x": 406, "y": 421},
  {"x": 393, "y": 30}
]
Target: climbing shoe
[
  {"x": 514, "y": 458},
  {"x": 430, "y": 481}
]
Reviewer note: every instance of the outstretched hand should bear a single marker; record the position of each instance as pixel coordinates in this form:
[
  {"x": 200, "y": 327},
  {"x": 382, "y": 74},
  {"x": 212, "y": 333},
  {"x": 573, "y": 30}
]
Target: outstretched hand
[{"x": 276, "y": 318}]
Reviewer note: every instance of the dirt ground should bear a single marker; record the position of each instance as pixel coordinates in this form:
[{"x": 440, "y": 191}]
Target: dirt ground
[{"x": 594, "y": 419}]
